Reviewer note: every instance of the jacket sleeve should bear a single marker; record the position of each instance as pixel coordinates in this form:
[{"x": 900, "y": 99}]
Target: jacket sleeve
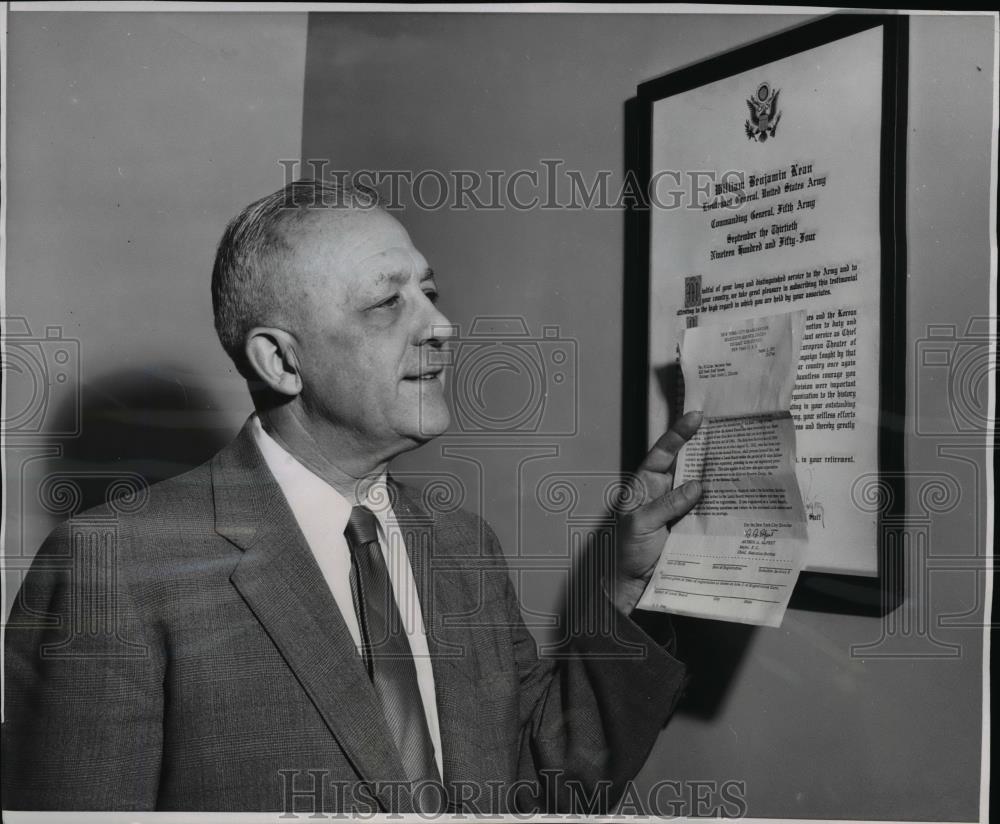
[
  {"x": 83, "y": 684},
  {"x": 592, "y": 706}
]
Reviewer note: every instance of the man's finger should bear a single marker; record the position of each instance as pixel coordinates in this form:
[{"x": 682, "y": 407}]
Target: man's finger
[
  {"x": 661, "y": 457},
  {"x": 669, "y": 507}
]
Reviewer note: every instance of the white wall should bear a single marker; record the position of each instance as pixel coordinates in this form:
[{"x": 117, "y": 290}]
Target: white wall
[{"x": 133, "y": 138}]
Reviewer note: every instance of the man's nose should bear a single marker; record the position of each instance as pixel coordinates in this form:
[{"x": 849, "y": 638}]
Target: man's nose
[
  {"x": 432, "y": 338},
  {"x": 438, "y": 329}
]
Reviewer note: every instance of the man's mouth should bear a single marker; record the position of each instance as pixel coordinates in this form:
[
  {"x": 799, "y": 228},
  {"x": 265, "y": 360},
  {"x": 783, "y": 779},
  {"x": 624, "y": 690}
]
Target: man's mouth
[{"x": 423, "y": 376}]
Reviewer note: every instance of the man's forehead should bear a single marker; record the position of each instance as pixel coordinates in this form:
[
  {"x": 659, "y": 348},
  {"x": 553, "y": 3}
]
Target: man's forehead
[{"x": 346, "y": 238}]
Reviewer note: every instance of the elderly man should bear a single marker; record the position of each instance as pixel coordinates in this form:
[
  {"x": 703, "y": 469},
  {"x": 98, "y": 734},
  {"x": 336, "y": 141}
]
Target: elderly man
[{"x": 288, "y": 628}]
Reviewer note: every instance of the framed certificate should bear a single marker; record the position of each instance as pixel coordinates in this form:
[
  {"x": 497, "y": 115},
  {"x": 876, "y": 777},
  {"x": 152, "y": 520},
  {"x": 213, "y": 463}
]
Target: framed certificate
[{"x": 772, "y": 180}]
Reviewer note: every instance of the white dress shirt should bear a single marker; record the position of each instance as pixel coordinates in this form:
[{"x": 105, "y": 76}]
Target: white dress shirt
[{"x": 322, "y": 514}]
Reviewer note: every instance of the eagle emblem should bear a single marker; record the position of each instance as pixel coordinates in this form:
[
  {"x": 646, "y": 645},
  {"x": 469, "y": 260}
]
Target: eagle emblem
[{"x": 764, "y": 114}]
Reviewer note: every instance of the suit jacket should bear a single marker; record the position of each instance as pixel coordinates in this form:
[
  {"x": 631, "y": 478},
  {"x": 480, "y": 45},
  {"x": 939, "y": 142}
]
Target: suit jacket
[{"x": 183, "y": 652}]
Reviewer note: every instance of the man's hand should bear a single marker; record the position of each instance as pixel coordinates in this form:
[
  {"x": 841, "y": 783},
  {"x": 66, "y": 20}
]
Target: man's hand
[{"x": 651, "y": 505}]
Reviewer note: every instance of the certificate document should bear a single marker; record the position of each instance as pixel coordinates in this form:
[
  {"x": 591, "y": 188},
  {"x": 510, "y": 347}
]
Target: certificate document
[{"x": 782, "y": 214}]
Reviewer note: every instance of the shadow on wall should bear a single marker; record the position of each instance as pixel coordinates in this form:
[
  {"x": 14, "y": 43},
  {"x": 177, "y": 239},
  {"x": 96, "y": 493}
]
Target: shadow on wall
[
  {"x": 714, "y": 652},
  {"x": 149, "y": 424}
]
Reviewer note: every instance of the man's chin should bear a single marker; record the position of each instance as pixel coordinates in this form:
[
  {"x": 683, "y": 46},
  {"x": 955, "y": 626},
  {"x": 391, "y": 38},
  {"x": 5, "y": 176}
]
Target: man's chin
[{"x": 431, "y": 423}]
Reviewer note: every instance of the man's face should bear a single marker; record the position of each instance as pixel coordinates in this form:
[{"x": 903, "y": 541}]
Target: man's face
[{"x": 368, "y": 331}]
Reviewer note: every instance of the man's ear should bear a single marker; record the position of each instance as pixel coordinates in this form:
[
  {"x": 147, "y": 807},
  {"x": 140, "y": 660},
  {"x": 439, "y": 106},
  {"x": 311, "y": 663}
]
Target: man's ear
[{"x": 272, "y": 356}]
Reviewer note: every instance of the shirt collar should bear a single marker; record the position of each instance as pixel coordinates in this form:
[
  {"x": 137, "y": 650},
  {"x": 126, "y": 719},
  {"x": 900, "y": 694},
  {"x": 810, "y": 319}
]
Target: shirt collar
[{"x": 307, "y": 493}]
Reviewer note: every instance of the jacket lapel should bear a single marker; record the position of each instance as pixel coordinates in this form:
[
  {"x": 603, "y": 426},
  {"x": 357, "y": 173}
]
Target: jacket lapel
[
  {"x": 445, "y": 595},
  {"x": 281, "y": 582}
]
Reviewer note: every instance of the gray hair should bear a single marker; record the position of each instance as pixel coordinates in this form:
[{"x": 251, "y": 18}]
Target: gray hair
[{"x": 246, "y": 277}]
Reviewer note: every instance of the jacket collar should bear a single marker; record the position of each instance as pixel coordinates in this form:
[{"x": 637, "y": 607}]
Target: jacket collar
[{"x": 281, "y": 582}]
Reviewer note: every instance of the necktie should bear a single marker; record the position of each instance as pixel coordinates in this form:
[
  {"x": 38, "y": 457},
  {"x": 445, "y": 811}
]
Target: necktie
[{"x": 387, "y": 652}]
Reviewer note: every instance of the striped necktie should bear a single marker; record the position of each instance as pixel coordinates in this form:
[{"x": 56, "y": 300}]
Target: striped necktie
[{"x": 387, "y": 653}]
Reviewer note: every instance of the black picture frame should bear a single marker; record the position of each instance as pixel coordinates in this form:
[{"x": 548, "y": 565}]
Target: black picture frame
[{"x": 823, "y": 591}]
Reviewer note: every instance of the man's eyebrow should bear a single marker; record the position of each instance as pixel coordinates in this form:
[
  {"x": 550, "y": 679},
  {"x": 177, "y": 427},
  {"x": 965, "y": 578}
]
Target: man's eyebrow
[
  {"x": 396, "y": 277},
  {"x": 402, "y": 277}
]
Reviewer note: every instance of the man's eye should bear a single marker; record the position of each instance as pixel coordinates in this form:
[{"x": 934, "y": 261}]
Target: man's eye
[
  {"x": 432, "y": 295},
  {"x": 388, "y": 303}
]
